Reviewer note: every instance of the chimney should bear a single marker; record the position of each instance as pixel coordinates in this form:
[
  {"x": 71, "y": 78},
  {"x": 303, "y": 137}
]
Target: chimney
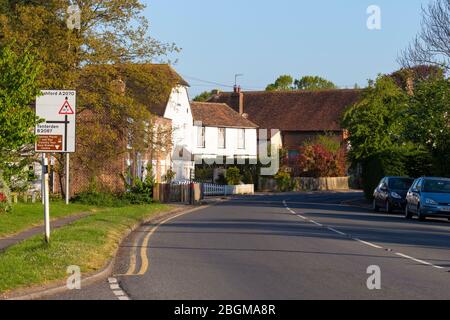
[
  {"x": 237, "y": 100},
  {"x": 241, "y": 102}
]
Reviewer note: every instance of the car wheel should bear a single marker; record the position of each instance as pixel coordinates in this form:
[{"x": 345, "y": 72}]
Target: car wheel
[
  {"x": 408, "y": 214},
  {"x": 420, "y": 215},
  {"x": 388, "y": 207},
  {"x": 375, "y": 207}
]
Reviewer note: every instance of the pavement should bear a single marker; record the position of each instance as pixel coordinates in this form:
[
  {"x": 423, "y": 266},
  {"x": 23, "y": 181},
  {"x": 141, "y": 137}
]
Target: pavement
[{"x": 280, "y": 247}]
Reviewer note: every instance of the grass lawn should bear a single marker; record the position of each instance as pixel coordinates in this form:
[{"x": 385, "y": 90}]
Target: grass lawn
[
  {"x": 25, "y": 215},
  {"x": 88, "y": 243}
]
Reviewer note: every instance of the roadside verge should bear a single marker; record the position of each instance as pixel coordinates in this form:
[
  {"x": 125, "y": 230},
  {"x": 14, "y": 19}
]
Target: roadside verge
[{"x": 90, "y": 243}]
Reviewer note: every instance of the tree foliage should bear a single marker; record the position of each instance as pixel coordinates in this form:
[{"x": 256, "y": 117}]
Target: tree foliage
[
  {"x": 313, "y": 83},
  {"x": 399, "y": 131},
  {"x": 288, "y": 83},
  {"x": 283, "y": 83},
  {"x": 97, "y": 60},
  {"x": 204, "y": 96},
  {"x": 18, "y": 89}
]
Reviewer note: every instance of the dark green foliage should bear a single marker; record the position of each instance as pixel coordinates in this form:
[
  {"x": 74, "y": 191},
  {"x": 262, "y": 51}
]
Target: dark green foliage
[
  {"x": 233, "y": 176},
  {"x": 284, "y": 181},
  {"x": 99, "y": 199}
]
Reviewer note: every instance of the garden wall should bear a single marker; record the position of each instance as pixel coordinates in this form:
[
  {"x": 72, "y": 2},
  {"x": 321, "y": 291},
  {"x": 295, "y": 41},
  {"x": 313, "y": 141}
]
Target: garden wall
[{"x": 307, "y": 184}]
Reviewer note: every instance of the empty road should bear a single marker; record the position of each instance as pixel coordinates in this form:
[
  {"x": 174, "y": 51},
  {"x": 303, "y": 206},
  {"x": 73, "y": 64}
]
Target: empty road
[{"x": 291, "y": 246}]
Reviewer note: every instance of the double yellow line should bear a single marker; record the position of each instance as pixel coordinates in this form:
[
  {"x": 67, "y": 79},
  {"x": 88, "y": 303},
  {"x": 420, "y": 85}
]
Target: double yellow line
[{"x": 144, "y": 247}]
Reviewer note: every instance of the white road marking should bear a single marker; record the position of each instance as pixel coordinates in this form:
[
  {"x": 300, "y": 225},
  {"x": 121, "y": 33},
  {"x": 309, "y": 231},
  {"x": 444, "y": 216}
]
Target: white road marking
[
  {"x": 418, "y": 260},
  {"x": 337, "y": 231},
  {"x": 368, "y": 243},
  {"x": 364, "y": 242},
  {"x": 115, "y": 287},
  {"x": 316, "y": 223},
  {"x": 119, "y": 293}
]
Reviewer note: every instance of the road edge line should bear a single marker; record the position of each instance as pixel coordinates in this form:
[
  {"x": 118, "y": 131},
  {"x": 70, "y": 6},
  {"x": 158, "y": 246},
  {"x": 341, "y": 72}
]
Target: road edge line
[{"x": 103, "y": 274}]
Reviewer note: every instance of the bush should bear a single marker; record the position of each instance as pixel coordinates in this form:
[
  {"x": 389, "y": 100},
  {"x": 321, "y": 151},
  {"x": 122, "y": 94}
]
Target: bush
[
  {"x": 100, "y": 199},
  {"x": 380, "y": 166},
  {"x": 316, "y": 161},
  {"x": 233, "y": 176},
  {"x": 283, "y": 180},
  {"x": 5, "y": 196}
]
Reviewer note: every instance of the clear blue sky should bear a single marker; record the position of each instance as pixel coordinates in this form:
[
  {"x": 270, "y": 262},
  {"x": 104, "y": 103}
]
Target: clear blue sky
[{"x": 263, "y": 39}]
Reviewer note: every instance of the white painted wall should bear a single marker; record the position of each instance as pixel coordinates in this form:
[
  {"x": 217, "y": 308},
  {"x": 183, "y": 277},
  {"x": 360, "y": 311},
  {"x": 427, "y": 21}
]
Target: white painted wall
[
  {"x": 179, "y": 111},
  {"x": 212, "y": 143},
  {"x": 184, "y": 139}
]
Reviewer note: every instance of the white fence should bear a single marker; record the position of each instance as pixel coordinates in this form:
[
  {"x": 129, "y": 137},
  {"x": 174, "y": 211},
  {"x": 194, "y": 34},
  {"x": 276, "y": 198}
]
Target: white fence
[{"x": 210, "y": 189}]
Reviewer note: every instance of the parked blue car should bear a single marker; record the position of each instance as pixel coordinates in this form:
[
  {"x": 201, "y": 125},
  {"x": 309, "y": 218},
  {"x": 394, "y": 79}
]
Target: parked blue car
[{"x": 428, "y": 197}]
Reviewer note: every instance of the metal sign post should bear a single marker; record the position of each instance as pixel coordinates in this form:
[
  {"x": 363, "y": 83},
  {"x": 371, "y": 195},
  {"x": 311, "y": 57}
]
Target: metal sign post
[
  {"x": 55, "y": 135},
  {"x": 67, "y": 178},
  {"x": 46, "y": 196}
]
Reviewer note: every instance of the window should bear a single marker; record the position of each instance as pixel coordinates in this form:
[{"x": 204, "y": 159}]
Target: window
[
  {"x": 222, "y": 138},
  {"x": 201, "y": 137},
  {"x": 241, "y": 138}
]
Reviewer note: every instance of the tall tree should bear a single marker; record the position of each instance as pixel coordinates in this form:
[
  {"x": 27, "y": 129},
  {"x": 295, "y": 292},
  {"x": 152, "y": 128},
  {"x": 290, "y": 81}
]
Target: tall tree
[
  {"x": 287, "y": 83},
  {"x": 314, "y": 83},
  {"x": 90, "y": 57},
  {"x": 18, "y": 89},
  {"x": 432, "y": 45},
  {"x": 283, "y": 83}
]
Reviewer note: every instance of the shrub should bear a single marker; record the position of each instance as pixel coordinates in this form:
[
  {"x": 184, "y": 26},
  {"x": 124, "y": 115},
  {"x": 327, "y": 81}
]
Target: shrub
[
  {"x": 233, "y": 176},
  {"x": 5, "y": 196},
  {"x": 169, "y": 176},
  {"x": 283, "y": 180},
  {"x": 100, "y": 199},
  {"x": 316, "y": 161},
  {"x": 380, "y": 166}
]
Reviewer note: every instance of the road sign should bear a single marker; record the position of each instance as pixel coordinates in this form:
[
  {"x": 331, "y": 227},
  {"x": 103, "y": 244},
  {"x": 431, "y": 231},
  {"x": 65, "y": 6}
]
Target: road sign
[{"x": 57, "y": 133}]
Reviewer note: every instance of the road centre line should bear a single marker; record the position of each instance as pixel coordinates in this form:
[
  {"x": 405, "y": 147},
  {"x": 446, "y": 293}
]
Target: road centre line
[
  {"x": 368, "y": 243},
  {"x": 418, "y": 260},
  {"x": 337, "y": 231},
  {"x": 374, "y": 245}
]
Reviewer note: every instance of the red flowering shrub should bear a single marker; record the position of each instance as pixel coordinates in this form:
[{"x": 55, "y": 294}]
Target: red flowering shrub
[
  {"x": 316, "y": 161},
  {"x": 3, "y": 197}
]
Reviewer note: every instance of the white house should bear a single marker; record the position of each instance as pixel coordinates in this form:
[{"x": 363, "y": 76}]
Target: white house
[
  {"x": 222, "y": 135},
  {"x": 204, "y": 131}
]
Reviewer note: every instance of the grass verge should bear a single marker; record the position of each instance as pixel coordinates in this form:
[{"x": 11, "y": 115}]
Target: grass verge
[
  {"x": 88, "y": 243},
  {"x": 25, "y": 216}
]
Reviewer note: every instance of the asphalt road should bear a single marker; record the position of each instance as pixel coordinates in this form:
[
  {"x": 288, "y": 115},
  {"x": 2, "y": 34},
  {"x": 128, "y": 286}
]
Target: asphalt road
[{"x": 293, "y": 246}]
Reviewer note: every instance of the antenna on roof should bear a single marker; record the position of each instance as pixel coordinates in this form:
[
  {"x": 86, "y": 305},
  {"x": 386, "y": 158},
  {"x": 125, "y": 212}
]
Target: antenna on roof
[{"x": 235, "y": 78}]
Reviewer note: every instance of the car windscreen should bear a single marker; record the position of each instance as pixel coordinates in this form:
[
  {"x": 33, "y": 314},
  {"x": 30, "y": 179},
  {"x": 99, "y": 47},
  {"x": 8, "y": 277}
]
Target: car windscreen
[
  {"x": 437, "y": 186},
  {"x": 400, "y": 183}
]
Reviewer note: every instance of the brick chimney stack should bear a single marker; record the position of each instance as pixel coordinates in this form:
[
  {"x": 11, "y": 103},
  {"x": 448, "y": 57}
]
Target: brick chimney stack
[{"x": 238, "y": 99}]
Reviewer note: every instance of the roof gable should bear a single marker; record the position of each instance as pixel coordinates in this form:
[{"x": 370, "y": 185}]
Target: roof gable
[{"x": 219, "y": 115}]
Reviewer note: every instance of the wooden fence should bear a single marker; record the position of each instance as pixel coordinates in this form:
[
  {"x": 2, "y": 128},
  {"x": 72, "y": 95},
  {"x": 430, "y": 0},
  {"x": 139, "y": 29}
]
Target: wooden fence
[{"x": 188, "y": 193}]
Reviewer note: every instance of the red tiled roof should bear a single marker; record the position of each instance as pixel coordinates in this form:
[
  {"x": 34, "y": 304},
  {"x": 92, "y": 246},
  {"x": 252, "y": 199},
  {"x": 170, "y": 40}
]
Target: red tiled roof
[
  {"x": 294, "y": 110},
  {"x": 219, "y": 115}
]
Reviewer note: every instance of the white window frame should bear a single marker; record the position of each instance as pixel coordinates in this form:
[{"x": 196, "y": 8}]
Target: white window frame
[
  {"x": 201, "y": 137},
  {"x": 241, "y": 143},
  {"x": 222, "y": 143}
]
